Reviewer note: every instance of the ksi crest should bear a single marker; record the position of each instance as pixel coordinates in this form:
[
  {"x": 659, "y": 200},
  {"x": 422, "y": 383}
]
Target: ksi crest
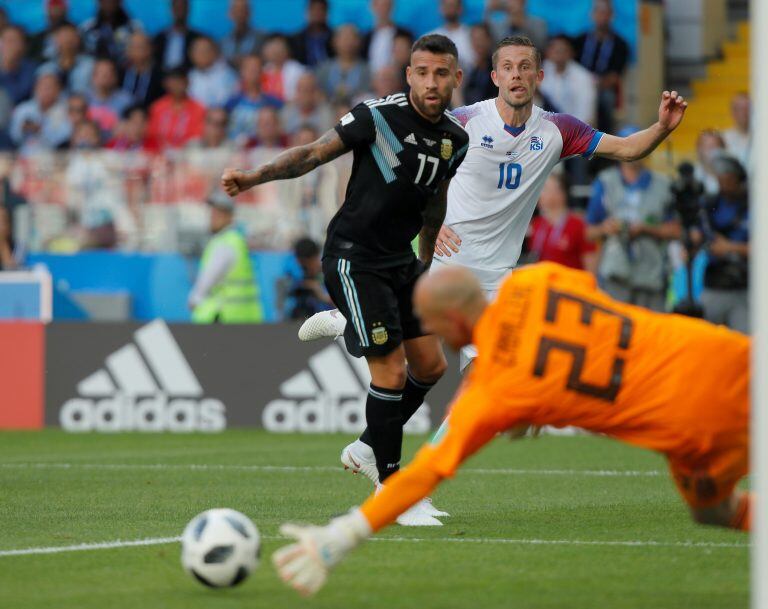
[
  {"x": 379, "y": 334},
  {"x": 446, "y": 148}
]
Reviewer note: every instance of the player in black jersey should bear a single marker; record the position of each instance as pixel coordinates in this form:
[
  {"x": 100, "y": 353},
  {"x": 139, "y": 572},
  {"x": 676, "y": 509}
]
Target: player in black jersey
[{"x": 406, "y": 148}]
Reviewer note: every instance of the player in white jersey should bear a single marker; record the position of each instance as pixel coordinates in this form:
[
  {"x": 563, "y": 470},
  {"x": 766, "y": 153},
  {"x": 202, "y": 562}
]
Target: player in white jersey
[{"x": 513, "y": 147}]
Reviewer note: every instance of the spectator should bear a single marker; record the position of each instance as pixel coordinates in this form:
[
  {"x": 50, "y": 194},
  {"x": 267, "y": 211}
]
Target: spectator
[
  {"x": 308, "y": 107},
  {"x": 456, "y": 31},
  {"x": 17, "y": 73},
  {"x": 386, "y": 81},
  {"x": 73, "y": 68},
  {"x": 106, "y": 34},
  {"x": 211, "y": 81},
  {"x": 7, "y": 258},
  {"x": 307, "y": 294},
  {"x": 557, "y": 234},
  {"x": 41, "y": 122},
  {"x": 401, "y": 57},
  {"x": 77, "y": 113},
  {"x": 737, "y": 139},
  {"x": 378, "y": 44},
  {"x": 173, "y": 43},
  {"x": 214, "y": 131},
  {"x": 280, "y": 71},
  {"x": 604, "y": 53},
  {"x": 568, "y": 85},
  {"x": 709, "y": 146},
  {"x": 142, "y": 79},
  {"x": 95, "y": 190},
  {"x": 477, "y": 82},
  {"x": 312, "y": 45},
  {"x": 133, "y": 132},
  {"x": 244, "y": 39},
  {"x": 43, "y": 44},
  {"x": 725, "y": 297},
  {"x": 631, "y": 212},
  {"x": 244, "y": 107},
  {"x": 106, "y": 102},
  {"x": 269, "y": 130},
  {"x": 517, "y": 22},
  {"x": 174, "y": 119},
  {"x": 346, "y": 75}
]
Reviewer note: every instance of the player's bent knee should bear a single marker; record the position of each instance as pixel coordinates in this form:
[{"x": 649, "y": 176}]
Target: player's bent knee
[{"x": 431, "y": 371}]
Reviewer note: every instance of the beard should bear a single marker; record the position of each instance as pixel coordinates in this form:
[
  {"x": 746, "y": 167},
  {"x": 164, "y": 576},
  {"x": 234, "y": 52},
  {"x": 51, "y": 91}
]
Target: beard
[{"x": 420, "y": 102}]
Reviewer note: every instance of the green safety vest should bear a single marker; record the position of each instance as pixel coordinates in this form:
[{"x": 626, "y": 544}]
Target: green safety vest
[{"x": 234, "y": 300}]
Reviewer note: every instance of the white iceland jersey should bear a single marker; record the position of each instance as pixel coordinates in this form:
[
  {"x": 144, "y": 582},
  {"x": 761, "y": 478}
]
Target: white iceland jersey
[{"x": 494, "y": 192}]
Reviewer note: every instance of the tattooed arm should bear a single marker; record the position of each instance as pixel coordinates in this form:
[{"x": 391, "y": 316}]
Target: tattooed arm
[
  {"x": 291, "y": 163},
  {"x": 434, "y": 214}
]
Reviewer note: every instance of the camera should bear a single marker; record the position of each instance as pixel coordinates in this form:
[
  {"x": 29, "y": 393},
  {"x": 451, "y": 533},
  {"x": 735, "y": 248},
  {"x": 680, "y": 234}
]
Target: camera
[{"x": 687, "y": 192}]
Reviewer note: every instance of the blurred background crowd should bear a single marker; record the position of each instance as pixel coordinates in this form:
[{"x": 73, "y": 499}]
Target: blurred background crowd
[{"x": 114, "y": 132}]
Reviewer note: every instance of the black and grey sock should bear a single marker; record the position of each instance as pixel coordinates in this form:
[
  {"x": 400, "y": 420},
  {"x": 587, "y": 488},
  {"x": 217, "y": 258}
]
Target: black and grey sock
[
  {"x": 413, "y": 398},
  {"x": 385, "y": 428}
]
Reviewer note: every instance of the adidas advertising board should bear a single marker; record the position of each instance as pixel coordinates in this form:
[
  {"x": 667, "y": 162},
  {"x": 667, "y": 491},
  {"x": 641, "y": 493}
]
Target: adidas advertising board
[{"x": 193, "y": 378}]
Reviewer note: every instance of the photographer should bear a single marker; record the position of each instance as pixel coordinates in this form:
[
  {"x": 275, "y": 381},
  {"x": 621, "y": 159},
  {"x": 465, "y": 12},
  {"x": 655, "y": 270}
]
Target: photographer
[
  {"x": 631, "y": 213},
  {"x": 726, "y": 233},
  {"x": 307, "y": 295}
]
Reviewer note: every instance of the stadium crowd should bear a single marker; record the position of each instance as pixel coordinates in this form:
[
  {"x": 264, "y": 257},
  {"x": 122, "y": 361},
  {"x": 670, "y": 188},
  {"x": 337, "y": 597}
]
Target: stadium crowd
[{"x": 124, "y": 119}]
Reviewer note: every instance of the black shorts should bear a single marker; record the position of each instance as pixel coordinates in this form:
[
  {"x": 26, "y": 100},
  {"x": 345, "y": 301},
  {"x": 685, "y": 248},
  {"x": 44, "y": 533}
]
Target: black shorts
[{"x": 377, "y": 304}]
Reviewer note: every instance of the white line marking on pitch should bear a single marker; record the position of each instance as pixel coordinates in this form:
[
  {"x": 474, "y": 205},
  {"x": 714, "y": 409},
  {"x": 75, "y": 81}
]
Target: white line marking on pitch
[
  {"x": 108, "y": 545},
  {"x": 608, "y": 473}
]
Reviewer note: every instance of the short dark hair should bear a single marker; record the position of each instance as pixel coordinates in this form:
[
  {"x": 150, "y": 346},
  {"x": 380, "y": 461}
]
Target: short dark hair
[
  {"x": 126, "y": 114},
  {"x": 306, "y": 248},
  {"x": 437, "y": 44},
  {"x": 515, "y": 41}
]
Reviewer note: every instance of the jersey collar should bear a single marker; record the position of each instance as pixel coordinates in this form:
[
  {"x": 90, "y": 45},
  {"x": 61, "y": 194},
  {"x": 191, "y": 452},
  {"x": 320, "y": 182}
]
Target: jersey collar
[{"x": 514, "y": 131}]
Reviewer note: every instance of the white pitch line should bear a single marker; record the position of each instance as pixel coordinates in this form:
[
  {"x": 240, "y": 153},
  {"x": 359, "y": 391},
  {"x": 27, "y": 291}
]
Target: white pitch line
[
  {"x": 108, "y": 545},
  {"x": 608, "y": 473}
]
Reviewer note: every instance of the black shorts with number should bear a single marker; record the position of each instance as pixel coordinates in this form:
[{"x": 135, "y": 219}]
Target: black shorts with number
[{"x": 377, "y": 303}]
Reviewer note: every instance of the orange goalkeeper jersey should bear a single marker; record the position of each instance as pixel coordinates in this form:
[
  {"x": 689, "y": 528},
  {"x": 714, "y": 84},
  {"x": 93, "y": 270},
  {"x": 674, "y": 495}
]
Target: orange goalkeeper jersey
[{"x": 555, "y": 350}]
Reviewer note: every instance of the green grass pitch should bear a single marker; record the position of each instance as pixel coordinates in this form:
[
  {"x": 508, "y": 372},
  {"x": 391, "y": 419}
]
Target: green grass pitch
[{"x": 544, "y": 530}]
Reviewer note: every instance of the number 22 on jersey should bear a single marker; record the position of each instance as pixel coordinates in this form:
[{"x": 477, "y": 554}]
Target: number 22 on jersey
[{"x": 509, "y": 175}]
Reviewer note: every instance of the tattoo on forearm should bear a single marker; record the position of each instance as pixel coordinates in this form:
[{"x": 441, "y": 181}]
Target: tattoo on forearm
[{"x": 300, "y": 160}]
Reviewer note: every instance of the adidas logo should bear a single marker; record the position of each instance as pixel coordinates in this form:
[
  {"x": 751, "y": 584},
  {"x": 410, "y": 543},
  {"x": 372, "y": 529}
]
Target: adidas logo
[
  {"x": 146, "y": 386},
  {"x": 410, "y": 139},
  {"x": 329, "y": 396}
]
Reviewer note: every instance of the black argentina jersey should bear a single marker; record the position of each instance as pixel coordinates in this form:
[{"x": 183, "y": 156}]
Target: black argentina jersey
[{"x": 399, "y": 160}]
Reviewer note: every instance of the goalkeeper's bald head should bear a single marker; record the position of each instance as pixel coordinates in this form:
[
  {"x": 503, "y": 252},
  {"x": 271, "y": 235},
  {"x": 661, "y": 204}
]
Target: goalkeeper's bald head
[{"x": 449, "y": 302}]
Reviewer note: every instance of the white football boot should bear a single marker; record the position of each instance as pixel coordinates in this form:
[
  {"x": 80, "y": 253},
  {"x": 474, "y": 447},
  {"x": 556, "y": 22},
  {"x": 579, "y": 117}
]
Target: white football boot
[
  {"x": 415, "y": 516},
  {"x": 325, "y": 324},
  {"x": 358, "y": 457}
]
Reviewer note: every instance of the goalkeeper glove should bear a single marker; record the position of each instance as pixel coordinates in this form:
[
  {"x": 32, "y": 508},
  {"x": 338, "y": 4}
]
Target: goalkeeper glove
[{"x": 305, "y": 565}]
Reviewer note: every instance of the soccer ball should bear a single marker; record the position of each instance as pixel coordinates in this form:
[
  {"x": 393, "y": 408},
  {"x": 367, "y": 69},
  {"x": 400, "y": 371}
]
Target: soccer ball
[{"x": 220, "y": 548}]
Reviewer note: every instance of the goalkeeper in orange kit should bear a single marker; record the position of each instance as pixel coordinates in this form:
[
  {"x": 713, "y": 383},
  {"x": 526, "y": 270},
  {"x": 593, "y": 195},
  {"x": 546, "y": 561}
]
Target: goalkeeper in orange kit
[{"x": 554, "y": 350}]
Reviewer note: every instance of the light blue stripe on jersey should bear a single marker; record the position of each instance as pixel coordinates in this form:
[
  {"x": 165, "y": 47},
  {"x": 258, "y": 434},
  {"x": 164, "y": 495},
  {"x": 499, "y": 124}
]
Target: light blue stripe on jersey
[
  {"x": 593, "y": 143},
  {"x": 386, "y": 147},
  {"x": 456, "y": 156},
  {"x": 386, "y": 170},
  {"x": 350, "y": 293}
]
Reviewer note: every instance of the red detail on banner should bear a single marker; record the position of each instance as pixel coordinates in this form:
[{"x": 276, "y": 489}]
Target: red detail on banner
[{"x": 22, "y": 369}]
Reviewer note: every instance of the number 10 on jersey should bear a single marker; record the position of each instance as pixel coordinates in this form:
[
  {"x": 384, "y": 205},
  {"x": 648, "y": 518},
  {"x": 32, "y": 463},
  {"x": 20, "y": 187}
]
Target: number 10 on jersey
[{"x": 513, "y": 172}]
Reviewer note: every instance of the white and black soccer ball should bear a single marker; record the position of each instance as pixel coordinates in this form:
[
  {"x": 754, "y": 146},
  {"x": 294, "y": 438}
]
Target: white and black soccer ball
[{"x": 220, "y": 548}]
